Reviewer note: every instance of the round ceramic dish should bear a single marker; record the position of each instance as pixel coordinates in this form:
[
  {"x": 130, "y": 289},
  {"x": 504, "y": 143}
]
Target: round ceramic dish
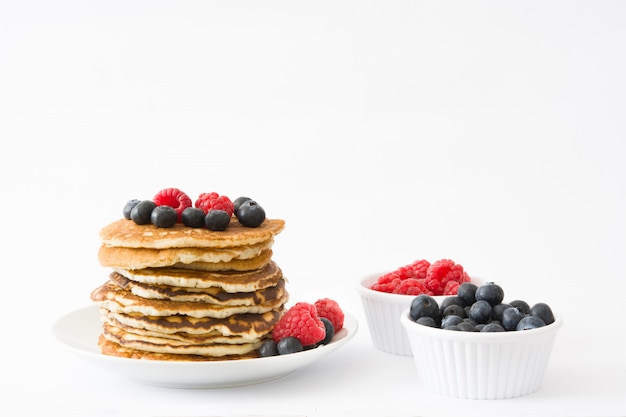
[
  {"x": 478, "y": 365},
  {"x": 382, "y": 311}
]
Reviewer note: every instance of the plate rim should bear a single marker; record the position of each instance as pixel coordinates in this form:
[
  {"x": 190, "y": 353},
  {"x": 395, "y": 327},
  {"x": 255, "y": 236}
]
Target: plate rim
[{"x": 276, "y": 367}]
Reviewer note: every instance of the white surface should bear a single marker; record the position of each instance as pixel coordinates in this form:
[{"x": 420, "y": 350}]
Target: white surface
[
  {"x": 481, "y": 366},
  {"x": 491, "y": 133},
  {"x": 79, "y": 330}
]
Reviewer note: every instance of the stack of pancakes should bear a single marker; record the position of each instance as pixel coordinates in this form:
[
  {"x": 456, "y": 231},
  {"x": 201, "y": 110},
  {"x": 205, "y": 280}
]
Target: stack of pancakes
[{"x": 188, "y": 294}]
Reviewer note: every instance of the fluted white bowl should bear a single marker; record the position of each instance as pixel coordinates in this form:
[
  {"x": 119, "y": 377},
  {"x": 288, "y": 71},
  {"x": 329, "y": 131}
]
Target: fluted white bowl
[
  {"x": 381, "y": 312},
  {"x": 477, "y": 365}
]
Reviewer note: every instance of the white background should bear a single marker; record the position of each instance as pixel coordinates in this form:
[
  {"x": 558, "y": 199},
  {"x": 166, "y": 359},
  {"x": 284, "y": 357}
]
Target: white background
[{"x": 490, "y": 133}]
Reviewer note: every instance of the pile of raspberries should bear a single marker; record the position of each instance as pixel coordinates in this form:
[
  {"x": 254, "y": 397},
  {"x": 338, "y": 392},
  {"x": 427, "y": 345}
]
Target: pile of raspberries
[{"x": 442, "y": 277}]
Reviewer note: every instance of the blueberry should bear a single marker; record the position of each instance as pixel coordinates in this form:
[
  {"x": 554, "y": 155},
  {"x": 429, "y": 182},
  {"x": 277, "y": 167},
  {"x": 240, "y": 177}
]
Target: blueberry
[
  {"x": 494, "y": 322},
  {"x": 511, "y": 317},
  {"x": 238, "y": 201},
  {"x": 480, "y": 311},
  {"x": 142, "y": 211},
  {"x": 426, "y": 321},
  {"x": 490, "y": 292},
  {"x": 455, "y": 310},
  {"x": 452, "y": 300},
  {"x": 163, "y": 216},
  {"x": 450, "y": 320},
  {"x": 492, "y": 327},
  {"x": 466, "y": 326},
  {"x": 268, "y": 348},
  {"x": 543, "y": 311},
  {"x": 467, "y": 291},
  {"x": 471, "y": 321},
  {"x": 497, "y": 310},
  {"x": 250, "y": 214},
  {"x": 217, "y": 220},
  {"x": 288, "y": 345},
  {"x": 330, "y": 331},
  {"x": 424, "y": 305},
  {"x": 530, "y": 322},
  {"x": 128, "y": 207},
  {"x": 522, "y": 305},
  {"x": 193, "y": 217}
]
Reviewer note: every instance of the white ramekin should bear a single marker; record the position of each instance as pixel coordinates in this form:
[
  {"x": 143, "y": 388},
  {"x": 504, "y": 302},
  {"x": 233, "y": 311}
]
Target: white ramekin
[
  {"x": 382, "y": 312},
  {"x": 477, "y": 365}
]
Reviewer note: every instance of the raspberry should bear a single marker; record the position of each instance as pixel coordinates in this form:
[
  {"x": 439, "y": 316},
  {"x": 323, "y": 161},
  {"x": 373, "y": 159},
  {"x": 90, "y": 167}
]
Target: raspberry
[
  {"x": 441, "y": 272},
  {"x": 392, "y": 282},
  {"x": 388, "y": 278},
  {"x": 451, "y": 288},
  {"x": 385, "y": 287},
  {"x": 174, "y": 198},
  {"x": 214, "y": 201},
  {"x": 419, "y": 268},
  {"x": 330, "y": 309},
  {"x": 300, "y": 321},
  {"x": 412, "y": 286}
]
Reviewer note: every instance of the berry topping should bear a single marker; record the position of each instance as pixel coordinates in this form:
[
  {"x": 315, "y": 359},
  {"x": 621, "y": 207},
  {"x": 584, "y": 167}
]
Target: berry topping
[
  {"x": 250, "y": 214},
  {"x": 163, "y": 216},
  {"x": 217, "y": 220},
  {"x": 268, "y": 348},
  {"x": 300, "y": 321},
  {"x": 128, "y": 208},
  {"x": 238, "y": 201},
  {"x": 330, "y": 331},
  {"x": 141, "y": 213},
  {"x": 289, "y": 344},
  {"x": 193, "y": 217},
  {"x": 329, "y": 309},
  {"x": 174, "y": 198},
  {"x": 214, "y": 201}
]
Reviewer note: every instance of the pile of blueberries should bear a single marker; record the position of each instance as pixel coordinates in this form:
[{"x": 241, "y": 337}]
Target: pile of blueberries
[{"x": 479, "y": 309}]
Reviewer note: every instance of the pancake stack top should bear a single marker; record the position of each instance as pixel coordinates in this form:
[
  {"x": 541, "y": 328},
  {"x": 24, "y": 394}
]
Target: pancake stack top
[{"x": 188, "y": 294}]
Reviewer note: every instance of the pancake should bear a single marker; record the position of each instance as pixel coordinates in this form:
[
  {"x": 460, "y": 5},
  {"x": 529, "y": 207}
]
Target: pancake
[
  {"x": 162, "y": 345},
  {"x": 234, "y": 265},
  {"x": 119, "y": 300},
  {"x": 110, "y": 348},
  {"x": 188, "y": 294},
  {"x": 126, "y": 233},
  {"x": 174, "y": 339},
  {"x": 230, "y": 281},
  {"x": 248, "y": 325},
  {"x": 186, "y": 338},
  {"x": 212, "y": 295},
  {"x": 138, "y": 258}
]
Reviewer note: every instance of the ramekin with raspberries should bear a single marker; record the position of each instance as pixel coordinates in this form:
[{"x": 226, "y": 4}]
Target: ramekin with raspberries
[{"x": 386, "y": 295}]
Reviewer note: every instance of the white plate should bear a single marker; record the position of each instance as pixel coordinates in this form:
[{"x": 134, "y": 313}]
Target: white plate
[{"x": 79, "y": 331}]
